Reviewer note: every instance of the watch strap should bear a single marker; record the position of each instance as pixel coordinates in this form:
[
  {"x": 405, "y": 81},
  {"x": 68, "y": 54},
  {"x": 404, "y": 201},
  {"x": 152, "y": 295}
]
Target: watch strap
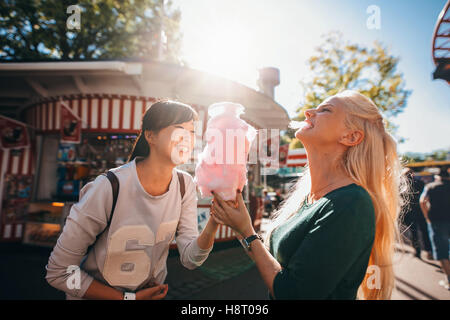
[{"x": 250, "y": 239}]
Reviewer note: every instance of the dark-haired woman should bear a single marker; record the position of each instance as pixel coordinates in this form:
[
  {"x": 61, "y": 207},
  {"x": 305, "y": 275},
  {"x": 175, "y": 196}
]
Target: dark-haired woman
[{"x": 127, "y": 259}]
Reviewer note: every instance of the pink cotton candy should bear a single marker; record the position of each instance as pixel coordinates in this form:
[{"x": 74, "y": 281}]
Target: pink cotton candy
[{"x": 222, "y": 165}]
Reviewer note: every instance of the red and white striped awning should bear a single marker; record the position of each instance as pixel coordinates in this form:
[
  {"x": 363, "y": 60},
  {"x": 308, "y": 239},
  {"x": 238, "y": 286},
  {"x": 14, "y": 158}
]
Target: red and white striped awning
[
  {"x": 98, "y": 113},
  {"x": 17, "y": 162},
  {"x": 296, "y": 158}
]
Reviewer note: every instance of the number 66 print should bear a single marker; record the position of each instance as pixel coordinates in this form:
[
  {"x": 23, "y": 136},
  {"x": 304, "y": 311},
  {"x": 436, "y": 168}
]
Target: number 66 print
[{"x": 130, "y": 267}]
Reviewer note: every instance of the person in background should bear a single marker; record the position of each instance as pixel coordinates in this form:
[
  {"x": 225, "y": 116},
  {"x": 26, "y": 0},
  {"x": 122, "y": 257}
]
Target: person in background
[
  {"x": 435, "y": 205},
  {"x": 278, "y": 199},
  {"x": 414, "y": 219},
  {"x": 267, "y": 203}
]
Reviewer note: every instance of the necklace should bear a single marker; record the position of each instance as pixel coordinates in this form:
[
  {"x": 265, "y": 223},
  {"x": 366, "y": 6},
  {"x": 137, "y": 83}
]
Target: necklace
[{"x": 308, "y": 197}]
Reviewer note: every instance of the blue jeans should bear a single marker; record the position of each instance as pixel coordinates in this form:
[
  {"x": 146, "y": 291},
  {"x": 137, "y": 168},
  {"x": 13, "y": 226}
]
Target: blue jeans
[{"x": 439, "y": 232}]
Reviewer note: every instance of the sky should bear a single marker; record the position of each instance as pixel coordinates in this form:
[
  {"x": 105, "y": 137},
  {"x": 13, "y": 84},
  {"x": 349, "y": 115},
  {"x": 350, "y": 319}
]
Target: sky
[{"x": 234, "y": 38}]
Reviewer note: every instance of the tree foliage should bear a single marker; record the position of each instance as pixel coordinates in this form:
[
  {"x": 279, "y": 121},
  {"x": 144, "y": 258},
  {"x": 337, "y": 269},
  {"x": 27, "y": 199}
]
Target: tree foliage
[
  {"x": 372, "y": 71},
  {"x": 109, "y": 29},
  {"x": 437, "y": 155}
]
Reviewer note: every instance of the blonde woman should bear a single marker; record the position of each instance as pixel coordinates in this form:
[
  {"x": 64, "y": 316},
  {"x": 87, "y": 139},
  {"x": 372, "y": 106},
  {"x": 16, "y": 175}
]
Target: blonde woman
[{"x": 341, "y": 216}]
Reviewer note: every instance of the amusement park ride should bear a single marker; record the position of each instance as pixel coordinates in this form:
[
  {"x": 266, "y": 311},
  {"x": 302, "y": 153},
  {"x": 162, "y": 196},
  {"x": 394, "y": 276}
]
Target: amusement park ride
[{"x": 441, "y": 45}]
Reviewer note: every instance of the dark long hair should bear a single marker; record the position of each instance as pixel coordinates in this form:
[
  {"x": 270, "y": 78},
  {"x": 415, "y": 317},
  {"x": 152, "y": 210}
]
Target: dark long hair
[{"x": 160, "y": 115}]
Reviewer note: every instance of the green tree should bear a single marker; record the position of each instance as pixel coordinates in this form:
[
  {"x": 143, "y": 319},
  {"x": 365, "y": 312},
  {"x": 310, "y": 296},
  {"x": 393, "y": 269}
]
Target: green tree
[
  {"x": 109, "y": 29},
  {"x": 371, "y": 71},
  {"x": 411, "y": 157},
  {"x": 437, "y": 155}
]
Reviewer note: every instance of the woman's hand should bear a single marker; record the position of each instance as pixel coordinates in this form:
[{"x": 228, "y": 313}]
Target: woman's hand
[
  {"x": 236, "y": 217},
  {"x": 213, "y": 217},
  {"x": 157, "y": 292}
]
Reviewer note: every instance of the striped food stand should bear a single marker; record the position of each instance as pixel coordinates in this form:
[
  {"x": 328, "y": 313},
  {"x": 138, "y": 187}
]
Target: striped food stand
[{"x": 109, "y": 99}]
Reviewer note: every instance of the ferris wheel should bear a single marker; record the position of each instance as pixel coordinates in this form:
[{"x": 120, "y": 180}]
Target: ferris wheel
[{"x": 441, "y": 45}]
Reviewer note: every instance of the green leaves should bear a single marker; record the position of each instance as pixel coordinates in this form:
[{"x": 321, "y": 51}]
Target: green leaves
[
  {"x": 338, "y": 65},
  {"x": 110, "y": 29}
]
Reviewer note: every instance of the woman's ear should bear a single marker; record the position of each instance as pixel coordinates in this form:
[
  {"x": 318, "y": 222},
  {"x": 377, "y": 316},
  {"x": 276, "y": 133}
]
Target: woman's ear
[
  {"x": 352, "y": 138},
  {"x": 149, "y": 136}
]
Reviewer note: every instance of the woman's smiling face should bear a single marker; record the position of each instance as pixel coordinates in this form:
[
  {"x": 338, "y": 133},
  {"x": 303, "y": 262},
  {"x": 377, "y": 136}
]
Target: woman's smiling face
[
  {"x": 175, "y": 142},
  {"x": 324, "y": 125}
]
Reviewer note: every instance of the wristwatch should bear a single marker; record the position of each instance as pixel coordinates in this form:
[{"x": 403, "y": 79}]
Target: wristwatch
[
  {"x": 129, "y": 296},
  {"x": 246, "y": 241}
]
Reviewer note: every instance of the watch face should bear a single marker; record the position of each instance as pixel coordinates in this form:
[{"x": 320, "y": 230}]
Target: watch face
[{"x": 244, "y": 244}]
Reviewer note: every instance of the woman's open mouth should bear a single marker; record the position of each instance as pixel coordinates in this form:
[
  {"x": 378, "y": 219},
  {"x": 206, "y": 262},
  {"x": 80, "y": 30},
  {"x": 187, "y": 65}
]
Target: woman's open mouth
[
  {"x": 307, "y": 124},
  {"x": 301, "y": 124}
]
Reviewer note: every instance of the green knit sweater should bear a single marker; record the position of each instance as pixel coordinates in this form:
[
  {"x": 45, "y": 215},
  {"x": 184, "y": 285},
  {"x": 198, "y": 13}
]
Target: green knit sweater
[{"x": 325, "y": 247}]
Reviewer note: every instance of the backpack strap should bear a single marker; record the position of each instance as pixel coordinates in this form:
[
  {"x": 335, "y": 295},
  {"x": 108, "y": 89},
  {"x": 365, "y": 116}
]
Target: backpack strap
[
  {"x": 115, "y": 190},
  {"x": 182, "y": 187}
]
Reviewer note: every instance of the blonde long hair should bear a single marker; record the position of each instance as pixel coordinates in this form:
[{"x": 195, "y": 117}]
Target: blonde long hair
[{"x": 374, "y": 165}]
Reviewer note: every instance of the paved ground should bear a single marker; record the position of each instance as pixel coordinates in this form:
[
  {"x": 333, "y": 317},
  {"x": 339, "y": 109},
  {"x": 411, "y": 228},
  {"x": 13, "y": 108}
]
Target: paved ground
[
  {"x": 22, "y": 272},
  {"x": 417, "y": 279},
  {"x": 227, "y": 274}
]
